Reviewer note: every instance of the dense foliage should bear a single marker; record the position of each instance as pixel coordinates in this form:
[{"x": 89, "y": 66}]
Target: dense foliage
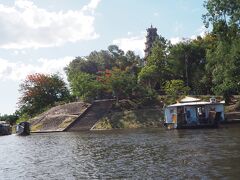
[
  {"x": 224, "y": 58},
  {"x": 104, "y": 74},
  {"x": 11, "y": 119},
  {"x": 175, "y": 88},
  {"x": 40, "y": 91}
]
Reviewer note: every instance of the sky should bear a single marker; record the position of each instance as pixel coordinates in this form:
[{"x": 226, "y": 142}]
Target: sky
[{"x": 43, "y": 36}]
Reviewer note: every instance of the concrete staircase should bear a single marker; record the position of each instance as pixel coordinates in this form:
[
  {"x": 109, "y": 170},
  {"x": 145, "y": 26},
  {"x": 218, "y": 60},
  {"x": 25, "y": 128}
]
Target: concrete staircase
[
  {"x": 88, "y": 118},
  {"x": 58, "y": 118}
]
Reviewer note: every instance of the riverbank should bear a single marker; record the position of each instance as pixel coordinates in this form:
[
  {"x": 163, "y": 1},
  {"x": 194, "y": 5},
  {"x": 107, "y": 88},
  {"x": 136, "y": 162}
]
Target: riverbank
[
  {"x": 107, "y": 115},
  {"x": 148, "y": 117},
  {"x": 99, "y": 115}
]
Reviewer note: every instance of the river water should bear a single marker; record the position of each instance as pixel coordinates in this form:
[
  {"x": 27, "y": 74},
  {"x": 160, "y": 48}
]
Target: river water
[{"x": 123, "y": 154}]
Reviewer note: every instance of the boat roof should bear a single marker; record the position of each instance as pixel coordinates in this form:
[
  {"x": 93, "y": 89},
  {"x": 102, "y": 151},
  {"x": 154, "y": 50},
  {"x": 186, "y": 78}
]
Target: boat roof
[
  {"x": 188, "y": 99},
  {"x": 4, "y": 123},
  {"x": 201, "y": 103}
]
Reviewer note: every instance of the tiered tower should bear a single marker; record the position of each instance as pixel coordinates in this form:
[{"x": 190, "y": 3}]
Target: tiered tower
[{"x": 150, "y": 38}]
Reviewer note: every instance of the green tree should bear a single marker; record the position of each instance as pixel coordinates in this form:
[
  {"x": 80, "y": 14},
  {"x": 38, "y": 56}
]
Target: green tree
[
  {"x": 132, "y": 58},
  {"x": 101, "y": 60},
  {"x": 224, "y": 62},
  {"x": 85, "y": 86},
  {"x": 223, "y": 59},
  {"x": 159, "y": 51},
  {"x": 81, "y": 65},
  {"x": 175, "y": 88},
  {"x": 187, "y": 61},
  {"x": 11, "y": 119},
  {"x": 148, "y": 76},
  {"x": 121, "y": 59},
  {"x": 224, "y": 16},
  {"x": 123, "y": 84},
  {"x": 158, "y": 58},
  {"x": 39, "y": 91},
  {"x": 87, "y": 76}
]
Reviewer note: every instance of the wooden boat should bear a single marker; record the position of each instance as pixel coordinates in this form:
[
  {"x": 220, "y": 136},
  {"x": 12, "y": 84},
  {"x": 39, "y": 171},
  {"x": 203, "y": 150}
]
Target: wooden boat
[
  {"x": 23, "y": 129},
  {"x": 5, "y": 128},
  {"x": 192, "y": 113}
]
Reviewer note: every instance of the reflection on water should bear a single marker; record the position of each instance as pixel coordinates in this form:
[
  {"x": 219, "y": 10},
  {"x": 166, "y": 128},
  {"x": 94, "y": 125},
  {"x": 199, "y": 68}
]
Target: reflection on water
[{"x": 127, "y": 154}]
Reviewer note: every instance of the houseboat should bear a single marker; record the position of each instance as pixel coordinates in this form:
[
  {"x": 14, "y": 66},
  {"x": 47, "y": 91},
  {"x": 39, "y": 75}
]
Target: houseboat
[
  {"x": 23, "y": 129},
  {"x": 5, "y": 128},
  {"x": 193, "y": 113}
]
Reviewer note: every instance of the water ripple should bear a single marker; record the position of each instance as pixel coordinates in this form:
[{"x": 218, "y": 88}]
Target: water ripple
[{"x": 123, "y": 154}]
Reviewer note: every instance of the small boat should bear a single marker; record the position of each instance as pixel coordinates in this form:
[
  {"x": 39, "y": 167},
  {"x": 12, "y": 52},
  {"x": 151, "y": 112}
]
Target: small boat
[
  {"x": 192, "y": 113},
  {"x": 5, "y": 128},
  {"x": 23, "y": 129}
]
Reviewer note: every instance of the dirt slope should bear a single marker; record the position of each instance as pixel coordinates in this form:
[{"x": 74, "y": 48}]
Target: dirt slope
[{"x": 58, "y": 118}]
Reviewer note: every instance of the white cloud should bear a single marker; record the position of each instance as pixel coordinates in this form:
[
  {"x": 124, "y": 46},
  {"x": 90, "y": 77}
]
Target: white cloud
[
  {"x": 24, "y": 25},
  {"x": 176, "y": 40},
  {"x": 135, "y": 43},
  {"x": 202, "y": 31},
  {"x": 91, "y": 6},
  {"x": 18, "y": 71},
  {"x": 156, "y": 14},
  {"x": 178, "y": 28},
  {"x": 17, "y": 52}
]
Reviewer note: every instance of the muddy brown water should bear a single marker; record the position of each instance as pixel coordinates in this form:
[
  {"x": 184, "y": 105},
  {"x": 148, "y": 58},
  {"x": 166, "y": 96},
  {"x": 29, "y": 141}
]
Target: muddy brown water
[{"x": 123, "y": 154}]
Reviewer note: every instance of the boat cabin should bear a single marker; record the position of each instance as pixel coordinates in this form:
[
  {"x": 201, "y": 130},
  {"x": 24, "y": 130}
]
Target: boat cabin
[{"x": 194, "y": 113}]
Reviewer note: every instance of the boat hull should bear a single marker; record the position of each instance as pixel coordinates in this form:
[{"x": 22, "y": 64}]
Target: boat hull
[
  {"x": 200, "y": 126},
  {"x": 195, "y": 126},
  {"x": 23, "y": 129}
]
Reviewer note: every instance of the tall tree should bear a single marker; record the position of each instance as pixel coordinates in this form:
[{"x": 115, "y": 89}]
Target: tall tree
[
  {"x": 223, "y": 60},
  {"x": 176, "y": 87},
  {"x": 148, "y": 76},
  {"x": 123, "y": 84},
  {"x": 39, "y": 91},
  {"x": 158, "y": 58},
  {"x": 85, "y": 86},
  {"x": 102, "y": 58},
  {"x": 224, "y": 16},
  {"x": 80, "y": 64},
  {"x": 187, "y": 62}
]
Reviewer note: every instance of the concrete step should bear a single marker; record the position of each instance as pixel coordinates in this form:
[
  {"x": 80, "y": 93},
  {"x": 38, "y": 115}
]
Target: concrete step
[{"x": 87, "y": 120}]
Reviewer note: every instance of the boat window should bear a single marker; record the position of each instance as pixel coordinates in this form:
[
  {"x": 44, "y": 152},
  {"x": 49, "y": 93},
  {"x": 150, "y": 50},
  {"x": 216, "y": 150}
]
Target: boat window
[
  {"x": 188, "y": 114},
  {"x": 180, "y": 110},
  {"x": 201, "y": 111}
]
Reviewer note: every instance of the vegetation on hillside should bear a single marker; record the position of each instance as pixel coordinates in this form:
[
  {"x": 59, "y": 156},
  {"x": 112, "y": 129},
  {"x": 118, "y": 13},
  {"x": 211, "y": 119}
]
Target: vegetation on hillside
[
  {"x": 11, "y": 119},
  {"x": 131, "y": 118}
]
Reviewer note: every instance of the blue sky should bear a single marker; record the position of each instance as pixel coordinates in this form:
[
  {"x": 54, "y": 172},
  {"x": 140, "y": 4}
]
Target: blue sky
[{"x": 45, "y": 35}]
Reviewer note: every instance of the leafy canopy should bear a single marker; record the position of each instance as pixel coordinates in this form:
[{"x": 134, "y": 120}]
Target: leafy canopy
[
  {"x": 39, "y": 91},
  {"x": 175, "y": 88}
]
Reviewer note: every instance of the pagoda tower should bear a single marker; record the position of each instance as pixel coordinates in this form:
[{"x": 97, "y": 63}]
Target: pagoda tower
[{"x": 150, "y": 38}]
